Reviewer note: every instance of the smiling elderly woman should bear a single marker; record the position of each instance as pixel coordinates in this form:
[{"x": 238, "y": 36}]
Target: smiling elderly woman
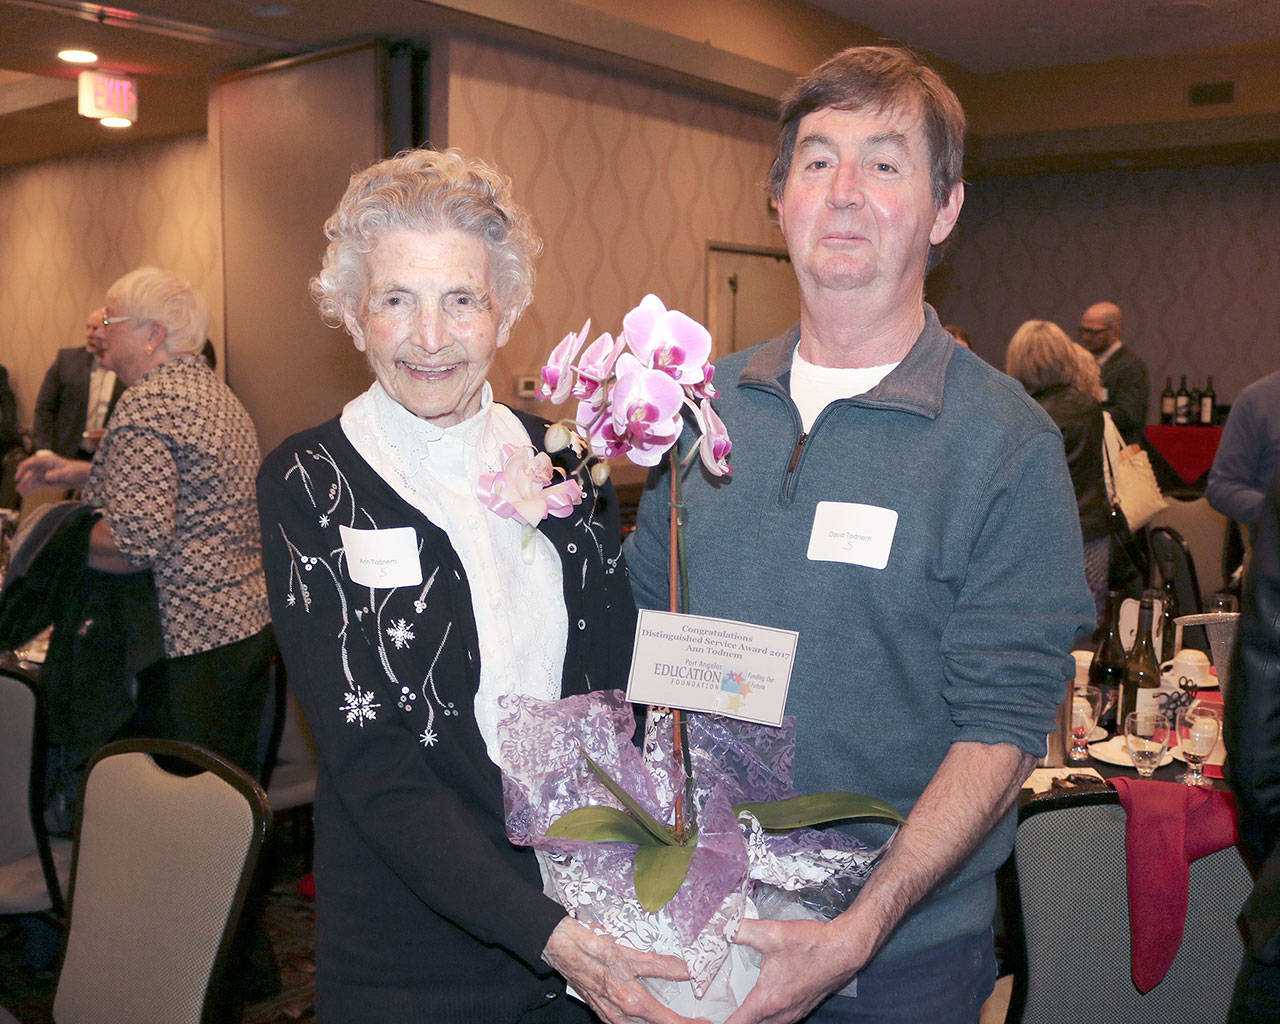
[{"x": 406, "y": 606}]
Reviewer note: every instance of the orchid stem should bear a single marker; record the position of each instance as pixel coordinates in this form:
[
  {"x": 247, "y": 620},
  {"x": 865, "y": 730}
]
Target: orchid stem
[{"x": 678, "y": 600}]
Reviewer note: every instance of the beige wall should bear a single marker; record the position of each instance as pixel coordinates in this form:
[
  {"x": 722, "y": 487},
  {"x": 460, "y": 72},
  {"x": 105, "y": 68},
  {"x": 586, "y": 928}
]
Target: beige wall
[
  {"x": 1190, "y": 255},
  {"x": 626, "y": 181},
  {"x": 70, "y": 227}
]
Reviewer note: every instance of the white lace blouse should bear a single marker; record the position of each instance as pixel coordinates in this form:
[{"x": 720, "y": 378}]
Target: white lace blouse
[{"x": 519, "y": 607}]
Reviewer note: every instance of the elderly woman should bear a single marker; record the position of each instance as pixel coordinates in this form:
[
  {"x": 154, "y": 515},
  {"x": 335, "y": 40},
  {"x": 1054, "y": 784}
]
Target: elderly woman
[
  {"x": 174, "y": 478},
  {"x": 406, "y": 607},
  {"x": 1046, "y": 361}
]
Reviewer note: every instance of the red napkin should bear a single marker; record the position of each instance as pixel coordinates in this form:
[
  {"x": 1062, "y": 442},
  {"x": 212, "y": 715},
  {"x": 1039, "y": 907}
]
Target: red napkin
[{"x": 1169, "y": 825}]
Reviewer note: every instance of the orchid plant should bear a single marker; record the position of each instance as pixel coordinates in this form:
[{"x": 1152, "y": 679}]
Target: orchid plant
[{"x": 633, "y": 393}]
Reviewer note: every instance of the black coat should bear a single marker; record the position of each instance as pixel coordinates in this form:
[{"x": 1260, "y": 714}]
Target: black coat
[{"x": 63, "y": 402}]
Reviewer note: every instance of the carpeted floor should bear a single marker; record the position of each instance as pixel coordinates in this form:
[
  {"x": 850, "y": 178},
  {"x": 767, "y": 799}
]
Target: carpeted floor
[{"x": 289, "y": 917}]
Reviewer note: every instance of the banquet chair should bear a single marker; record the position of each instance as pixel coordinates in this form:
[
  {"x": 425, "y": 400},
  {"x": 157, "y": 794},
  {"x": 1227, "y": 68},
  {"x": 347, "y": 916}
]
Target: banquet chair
[
  {"x": 33, "y": 868},
  {"x": 1172, "y": 557},
  {"x": 1071, "y": 937},
  {"x": 168, "y": 835},
  {"x": 1205, "y": 530}
]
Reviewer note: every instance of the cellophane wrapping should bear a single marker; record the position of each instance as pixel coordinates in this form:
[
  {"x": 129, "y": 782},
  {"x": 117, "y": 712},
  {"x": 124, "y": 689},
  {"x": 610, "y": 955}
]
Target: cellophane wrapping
[{"x": 738, "y": 869}]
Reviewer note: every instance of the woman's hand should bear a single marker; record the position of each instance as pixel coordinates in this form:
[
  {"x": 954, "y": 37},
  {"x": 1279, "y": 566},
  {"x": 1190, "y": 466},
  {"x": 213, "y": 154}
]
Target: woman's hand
[
  {"x": 607, "y": 974},
  {"x": 45, "y": 469}
]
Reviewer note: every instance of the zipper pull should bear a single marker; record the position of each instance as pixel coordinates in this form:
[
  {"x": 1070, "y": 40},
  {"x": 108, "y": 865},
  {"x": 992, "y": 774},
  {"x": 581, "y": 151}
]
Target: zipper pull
[{"x": 795, "y": 455}]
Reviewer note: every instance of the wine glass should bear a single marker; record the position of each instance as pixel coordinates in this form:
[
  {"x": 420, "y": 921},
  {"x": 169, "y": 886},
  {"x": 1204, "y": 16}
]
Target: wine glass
[
  {"x": 1224, "y": 601},
  {"x": 1198, "y": 728},
  {"x": 1085, "y": 705},
  {"x": 1146, "y": 737}
]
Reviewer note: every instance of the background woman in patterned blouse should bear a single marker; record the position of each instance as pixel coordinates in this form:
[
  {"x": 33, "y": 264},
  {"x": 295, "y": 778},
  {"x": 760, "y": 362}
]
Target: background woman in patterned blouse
[
  {"x": 174, "y": 478},
  {"x": 405, "y": 609}
]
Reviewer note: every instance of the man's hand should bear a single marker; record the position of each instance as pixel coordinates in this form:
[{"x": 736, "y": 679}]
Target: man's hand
[
  {"x": 804, "y": 962},
  {"x": 45, "y": 469},
  {"x": 607, "y": 974}
]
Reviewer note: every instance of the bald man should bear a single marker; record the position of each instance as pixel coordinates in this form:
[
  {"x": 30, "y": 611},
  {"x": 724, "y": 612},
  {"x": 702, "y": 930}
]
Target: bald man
[{"x": 1124, "y": 375}]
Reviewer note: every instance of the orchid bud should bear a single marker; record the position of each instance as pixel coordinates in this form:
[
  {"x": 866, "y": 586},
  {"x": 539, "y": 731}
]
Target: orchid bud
[
  {"x": 557, "y": 438},
  {"x": 599, "y": 473}
]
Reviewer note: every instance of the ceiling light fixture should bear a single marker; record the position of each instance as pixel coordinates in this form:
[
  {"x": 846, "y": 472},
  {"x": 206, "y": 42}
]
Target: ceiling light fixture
[
  {"x": 78, "y": 56},
  {"x": 115, "y": 122}
]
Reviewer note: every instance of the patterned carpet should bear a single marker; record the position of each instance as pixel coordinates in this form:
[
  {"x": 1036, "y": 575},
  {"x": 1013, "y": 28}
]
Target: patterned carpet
[{"x": 289, "y": 917}]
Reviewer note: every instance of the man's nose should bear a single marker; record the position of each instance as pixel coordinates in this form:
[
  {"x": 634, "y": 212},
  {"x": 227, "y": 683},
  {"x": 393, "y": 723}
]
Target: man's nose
[{"x": 846, "y": 186}]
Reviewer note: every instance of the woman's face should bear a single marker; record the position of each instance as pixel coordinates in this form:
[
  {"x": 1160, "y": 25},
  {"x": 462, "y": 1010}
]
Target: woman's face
[
  {"x": 428, "y": 322},
  {"x": 128, "y": 344}
]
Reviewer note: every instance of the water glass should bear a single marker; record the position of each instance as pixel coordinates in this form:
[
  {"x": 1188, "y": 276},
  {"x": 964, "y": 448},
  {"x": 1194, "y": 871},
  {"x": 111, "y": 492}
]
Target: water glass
[
  {"x": 1198, "y": 729},
  {"x": 1085, "y": 705},
  {"x": 1146, "y": 737}
]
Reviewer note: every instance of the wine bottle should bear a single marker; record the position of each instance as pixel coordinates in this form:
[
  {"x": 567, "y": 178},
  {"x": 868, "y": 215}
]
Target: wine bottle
[
  {"x": 1168, "y": 612},
  {"x": 1208, "y": 404},
  {"x": 1107, "y": 669},
  {"x": 1193, "y": 411},
  {"x": 1168, "y": 403},
  {"x": 1182, "y": 403},
  {"x": 1142, "y": 670}
]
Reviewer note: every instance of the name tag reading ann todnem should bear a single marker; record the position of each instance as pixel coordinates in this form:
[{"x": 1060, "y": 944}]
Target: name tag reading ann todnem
[{"x": 382, "y": 558}]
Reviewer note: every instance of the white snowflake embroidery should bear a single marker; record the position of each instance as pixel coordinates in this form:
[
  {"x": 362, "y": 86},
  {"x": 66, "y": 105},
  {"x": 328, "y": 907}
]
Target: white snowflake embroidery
[
  {"x": 428, "y": 738},
  {"x": 360, "y": 706},
  {"x": 291, "y": 600},
  {"x": 400, "y": 633},
  {"x": 324, "y": 520}
]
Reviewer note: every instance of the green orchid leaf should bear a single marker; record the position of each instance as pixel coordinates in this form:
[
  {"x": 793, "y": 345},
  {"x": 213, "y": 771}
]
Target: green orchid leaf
[
  {"x": 601, "y": 825},
  {"x": 817, "y": 809},
  {"x": 660, "y": 871},
  {"x": 655, "y": 828}
]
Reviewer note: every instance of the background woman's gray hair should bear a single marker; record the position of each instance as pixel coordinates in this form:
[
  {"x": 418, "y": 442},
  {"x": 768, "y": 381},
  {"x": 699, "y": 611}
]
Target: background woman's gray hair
[
  {"x": 163, "y": 297},
  {"x": 425, "y": 190},
  {"x": 1041, "y": 355}
]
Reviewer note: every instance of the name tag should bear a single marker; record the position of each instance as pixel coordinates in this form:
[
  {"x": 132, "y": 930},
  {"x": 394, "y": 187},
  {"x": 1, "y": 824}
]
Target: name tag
[
  {"x": 719, "y": 666},
  {"x": 382, "y": 558},
  {"x": 856, "y": 534}
]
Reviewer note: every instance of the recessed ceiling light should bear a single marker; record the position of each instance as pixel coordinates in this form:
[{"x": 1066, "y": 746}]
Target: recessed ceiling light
[
  {"x": 271, "y": 10},
  {"x": 115, "y": 122},
  {"x": 78, "y": 56}
]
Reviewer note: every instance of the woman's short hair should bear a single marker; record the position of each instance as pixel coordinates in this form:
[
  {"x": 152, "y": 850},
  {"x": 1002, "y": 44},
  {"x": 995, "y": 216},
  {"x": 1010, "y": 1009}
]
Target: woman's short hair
[
  {"x": 880, "y": 78},
  {"x": 1041, "y": 355},
  {"x": 160, "y": 296},
  {"x": 425, "y": 190}
]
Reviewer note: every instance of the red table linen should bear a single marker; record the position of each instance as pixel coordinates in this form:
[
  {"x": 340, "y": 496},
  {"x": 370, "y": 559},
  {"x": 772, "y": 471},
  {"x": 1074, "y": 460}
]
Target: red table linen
[
  {"x": 1169, "y": 825},
  {"x": 1189, "y": 450}
]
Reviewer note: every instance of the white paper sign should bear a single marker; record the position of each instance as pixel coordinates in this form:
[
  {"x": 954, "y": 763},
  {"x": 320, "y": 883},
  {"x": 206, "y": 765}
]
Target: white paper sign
[
  {"x": 382, "y": 558},
  {"x": 698, "y": 663},
  {"x": 847, "y": 532}
]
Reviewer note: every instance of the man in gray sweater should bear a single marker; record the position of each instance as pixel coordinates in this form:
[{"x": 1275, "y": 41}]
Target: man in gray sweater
[{"x": 907, "y": 510}]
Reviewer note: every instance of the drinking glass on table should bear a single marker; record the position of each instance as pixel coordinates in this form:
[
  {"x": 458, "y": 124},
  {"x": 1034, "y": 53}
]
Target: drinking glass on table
[
  {"x": 1085, "y": 705},
  {"x": 1146, "y": 737},
  {"x": 1224, "y": 601},
  {"x": 1198, "y": 729}
]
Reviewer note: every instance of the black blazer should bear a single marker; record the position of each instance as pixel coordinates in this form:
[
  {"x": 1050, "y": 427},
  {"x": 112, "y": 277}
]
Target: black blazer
[{"x": 63, "y": 402}]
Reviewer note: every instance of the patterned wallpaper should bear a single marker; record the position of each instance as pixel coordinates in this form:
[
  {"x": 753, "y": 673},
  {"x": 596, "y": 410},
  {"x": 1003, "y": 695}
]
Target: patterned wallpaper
[
  {"x": 70, "y": 227},
  {"x": 1189, "y": 255},
  {"x": 626, "y": 181}
]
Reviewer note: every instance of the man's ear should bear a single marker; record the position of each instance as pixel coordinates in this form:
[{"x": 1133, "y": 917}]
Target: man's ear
[{"x": 947, "y": 215}]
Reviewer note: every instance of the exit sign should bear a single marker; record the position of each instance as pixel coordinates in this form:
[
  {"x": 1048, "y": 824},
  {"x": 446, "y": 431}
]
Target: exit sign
[{"x": 103, "y": 95}]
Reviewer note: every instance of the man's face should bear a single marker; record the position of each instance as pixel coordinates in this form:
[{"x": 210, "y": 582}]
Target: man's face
[
  {"x": 93, "y": 331},
  {"x": 857, "y": 208},
  {"x": 1097, "y": 332}
]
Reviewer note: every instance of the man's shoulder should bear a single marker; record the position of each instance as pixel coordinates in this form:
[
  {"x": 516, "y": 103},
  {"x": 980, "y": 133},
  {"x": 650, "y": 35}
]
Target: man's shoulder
[
  {"x": 977, "y": 389},
  {"x": 1125, "y": 358}
]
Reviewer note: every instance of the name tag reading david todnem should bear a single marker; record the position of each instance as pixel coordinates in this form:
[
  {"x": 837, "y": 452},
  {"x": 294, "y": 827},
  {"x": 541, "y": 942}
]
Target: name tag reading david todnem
[{"x": 720, "y": 666}]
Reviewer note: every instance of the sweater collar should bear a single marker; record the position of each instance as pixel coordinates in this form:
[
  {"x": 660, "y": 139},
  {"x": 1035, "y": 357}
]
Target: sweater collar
[{"x": 917, "y": 384}]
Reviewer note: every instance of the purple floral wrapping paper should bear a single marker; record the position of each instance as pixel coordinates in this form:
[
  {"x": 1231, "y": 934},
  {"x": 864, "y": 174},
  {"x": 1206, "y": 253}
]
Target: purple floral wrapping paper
[{"x": 545, "y": 776}]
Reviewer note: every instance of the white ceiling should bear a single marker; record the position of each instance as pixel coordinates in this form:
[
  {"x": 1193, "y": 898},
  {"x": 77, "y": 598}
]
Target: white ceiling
[{"x": 1001, "y": 35}]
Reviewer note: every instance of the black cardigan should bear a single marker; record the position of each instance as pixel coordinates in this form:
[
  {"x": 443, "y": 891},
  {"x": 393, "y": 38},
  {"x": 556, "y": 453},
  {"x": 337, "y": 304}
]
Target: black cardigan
[{"x": 425, "y": 910}]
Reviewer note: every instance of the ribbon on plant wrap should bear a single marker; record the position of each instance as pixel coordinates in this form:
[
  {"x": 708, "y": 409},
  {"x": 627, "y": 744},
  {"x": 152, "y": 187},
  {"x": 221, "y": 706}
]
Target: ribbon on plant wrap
[{"x": 805, "y": 872}]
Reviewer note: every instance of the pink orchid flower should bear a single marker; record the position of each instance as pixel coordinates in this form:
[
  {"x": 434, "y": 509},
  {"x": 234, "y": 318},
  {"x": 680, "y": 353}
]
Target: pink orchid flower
[
  {"x": 557, "y": 375},
  {"x": 597, "y": 427},
  {"x": 646, "y": 406},
  {"x": 523, "y": 489},
  {"x": 706, "y": 389},
  {"x": 713, "y": 445},
  {"x": 668, "y": 340},
  {"x": 595, "y": 367}
]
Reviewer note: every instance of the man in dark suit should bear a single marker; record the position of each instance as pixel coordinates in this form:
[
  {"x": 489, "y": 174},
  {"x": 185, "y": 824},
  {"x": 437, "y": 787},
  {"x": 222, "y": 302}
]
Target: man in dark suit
[
  {"x": 76, "y": 398},
  {"x": 1124, "y": 375}
]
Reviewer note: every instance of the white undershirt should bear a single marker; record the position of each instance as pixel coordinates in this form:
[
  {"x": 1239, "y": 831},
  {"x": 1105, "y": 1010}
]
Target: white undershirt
[
  {"x": 521, "y": 620},
  {"x": 101, "y": 383},
  {"x": 815, "y": 387}
]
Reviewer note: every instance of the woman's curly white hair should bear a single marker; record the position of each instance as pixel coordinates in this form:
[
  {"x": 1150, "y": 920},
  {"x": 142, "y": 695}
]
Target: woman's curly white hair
[{"x": 425, "y": 190}]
